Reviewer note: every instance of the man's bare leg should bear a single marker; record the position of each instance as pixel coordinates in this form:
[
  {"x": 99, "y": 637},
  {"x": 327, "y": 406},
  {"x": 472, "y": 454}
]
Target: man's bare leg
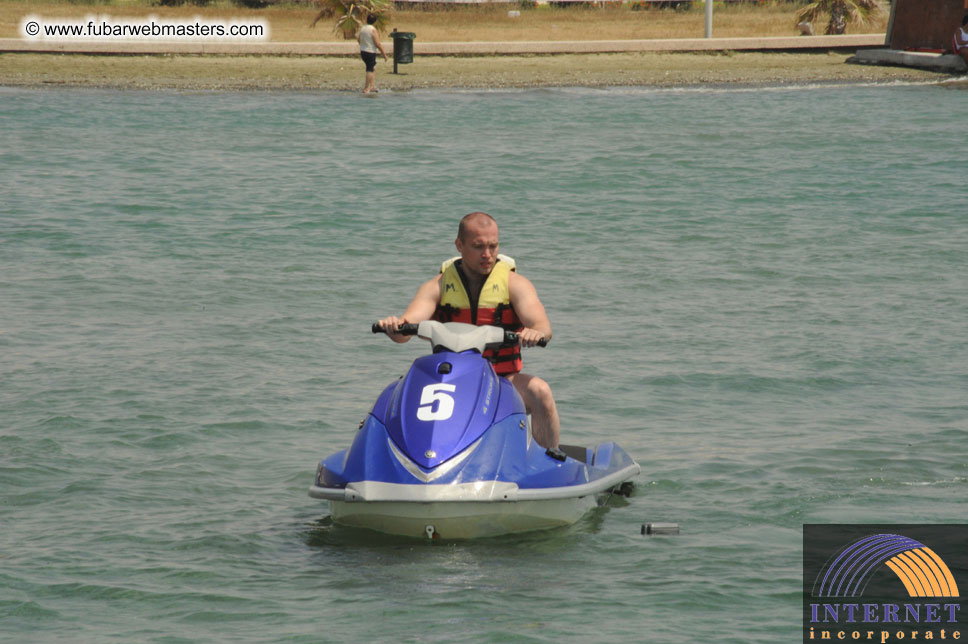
[{"x": 541, "y": 405}]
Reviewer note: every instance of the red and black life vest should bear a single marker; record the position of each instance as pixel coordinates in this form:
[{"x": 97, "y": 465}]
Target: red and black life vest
[{"x": 493, "y": 307}]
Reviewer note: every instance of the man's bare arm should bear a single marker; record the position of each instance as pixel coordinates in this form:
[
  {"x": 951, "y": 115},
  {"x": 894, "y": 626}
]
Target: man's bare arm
[
  {"x": 530, "y": 310},
  {"x": 422, "y": 307}
]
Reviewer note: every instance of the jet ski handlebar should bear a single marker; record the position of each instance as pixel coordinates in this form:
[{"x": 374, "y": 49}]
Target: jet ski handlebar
[
  {"x": 405, "y": 328},
  {"x": 510, "y": 337}
]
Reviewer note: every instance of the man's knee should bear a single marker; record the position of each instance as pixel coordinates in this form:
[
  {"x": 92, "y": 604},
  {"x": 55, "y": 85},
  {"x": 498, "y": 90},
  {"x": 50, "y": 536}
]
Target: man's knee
[{"x": 541, "y": 391}]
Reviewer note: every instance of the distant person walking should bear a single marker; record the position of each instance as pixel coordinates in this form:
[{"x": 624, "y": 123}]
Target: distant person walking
[{"x": 370, "y": 44}]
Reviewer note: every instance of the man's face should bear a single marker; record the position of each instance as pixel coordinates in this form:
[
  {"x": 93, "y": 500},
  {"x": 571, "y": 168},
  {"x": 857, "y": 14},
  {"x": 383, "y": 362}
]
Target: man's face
[{"x": 478, "y": 248}]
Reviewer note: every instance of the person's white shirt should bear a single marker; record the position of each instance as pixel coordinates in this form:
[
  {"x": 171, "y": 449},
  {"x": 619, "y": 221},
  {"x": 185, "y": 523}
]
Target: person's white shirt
[{"x": 367, "y": 43}]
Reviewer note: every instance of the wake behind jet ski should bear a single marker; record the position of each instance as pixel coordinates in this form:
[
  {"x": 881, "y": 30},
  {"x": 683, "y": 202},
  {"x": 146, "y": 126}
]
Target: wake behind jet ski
[{"x": 447, "y": 452}]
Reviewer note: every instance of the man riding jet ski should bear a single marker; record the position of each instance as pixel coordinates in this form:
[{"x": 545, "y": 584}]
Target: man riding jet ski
[
  {"x": 447, "y": 450},
  {"x": 482, "y": 287}
]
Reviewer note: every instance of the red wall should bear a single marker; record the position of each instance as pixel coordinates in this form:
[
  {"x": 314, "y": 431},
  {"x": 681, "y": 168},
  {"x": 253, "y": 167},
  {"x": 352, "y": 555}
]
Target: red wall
[{"x": 925, "y": 24}]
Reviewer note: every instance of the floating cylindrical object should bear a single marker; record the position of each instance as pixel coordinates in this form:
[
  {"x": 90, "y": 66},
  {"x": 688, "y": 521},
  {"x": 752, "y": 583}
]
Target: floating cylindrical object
[{"x": 660, "y": 528}]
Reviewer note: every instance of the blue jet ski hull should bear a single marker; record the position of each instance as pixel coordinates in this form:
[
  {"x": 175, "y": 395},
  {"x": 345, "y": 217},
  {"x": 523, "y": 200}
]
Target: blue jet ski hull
[
  {"x": 502, "y": 483},
  {"x": 447, "y": 452}
]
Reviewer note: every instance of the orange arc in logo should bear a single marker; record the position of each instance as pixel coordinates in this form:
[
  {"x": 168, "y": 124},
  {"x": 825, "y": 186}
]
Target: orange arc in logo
[{"x": 923, "y": 573}]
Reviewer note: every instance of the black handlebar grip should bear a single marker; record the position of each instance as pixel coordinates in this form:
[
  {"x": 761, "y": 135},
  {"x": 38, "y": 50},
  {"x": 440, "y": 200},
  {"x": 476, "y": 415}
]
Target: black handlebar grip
[
  {"x": 511, "y": 338},
  {"x": 405, "y": 328}
]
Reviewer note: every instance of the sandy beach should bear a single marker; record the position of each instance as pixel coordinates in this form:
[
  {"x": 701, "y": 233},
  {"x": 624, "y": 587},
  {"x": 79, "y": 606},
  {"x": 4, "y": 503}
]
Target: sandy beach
[
  {"x": 190, "y": 72},
  {"x": 335, "y": 65}
]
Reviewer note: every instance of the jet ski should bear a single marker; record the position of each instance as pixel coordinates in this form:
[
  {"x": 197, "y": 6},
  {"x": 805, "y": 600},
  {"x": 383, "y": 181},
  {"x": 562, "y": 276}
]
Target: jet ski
[{"x": 447, "y": 452}]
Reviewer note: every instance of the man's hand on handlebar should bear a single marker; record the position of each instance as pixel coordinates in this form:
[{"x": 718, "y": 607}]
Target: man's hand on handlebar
[
  {"x": 529, "y": 337},
  {"x": 392, "y": 327},
  {"x": 391, "y": 324}
]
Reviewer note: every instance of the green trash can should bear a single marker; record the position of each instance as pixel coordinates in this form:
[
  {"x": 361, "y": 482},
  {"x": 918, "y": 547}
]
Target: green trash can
[{"x": 402, "y": 47}]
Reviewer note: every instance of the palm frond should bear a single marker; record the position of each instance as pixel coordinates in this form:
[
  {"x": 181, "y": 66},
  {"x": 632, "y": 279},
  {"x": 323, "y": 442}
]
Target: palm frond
[
  {"x": 861, "y": 11},
  {"x": 812, "y": 12},
  {"x": 352, "y": 14},
  {"x": 857, "y": 12}
]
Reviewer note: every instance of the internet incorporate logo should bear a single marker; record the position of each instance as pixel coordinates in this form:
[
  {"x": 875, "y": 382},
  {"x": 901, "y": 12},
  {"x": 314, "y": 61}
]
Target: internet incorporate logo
[
  {"x": 922, "y": 572},
  {"x": 908, "y": 591}
]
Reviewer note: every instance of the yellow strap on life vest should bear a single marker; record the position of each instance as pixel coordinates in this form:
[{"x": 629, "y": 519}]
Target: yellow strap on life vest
[{"x": 494, "y": 292}]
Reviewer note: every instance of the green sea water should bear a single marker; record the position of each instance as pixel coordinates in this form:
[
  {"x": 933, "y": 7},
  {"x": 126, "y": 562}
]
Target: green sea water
[{"x": 761, "y": 293}]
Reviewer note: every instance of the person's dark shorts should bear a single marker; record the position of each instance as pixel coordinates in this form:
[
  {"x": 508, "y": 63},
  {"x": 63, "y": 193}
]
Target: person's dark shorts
[{"x": 370, "y": 59}]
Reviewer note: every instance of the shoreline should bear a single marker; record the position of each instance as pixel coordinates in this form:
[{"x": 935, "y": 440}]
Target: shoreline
[
  {"x": 345, "y": 73},
  {"x": 472, "y": 48}
]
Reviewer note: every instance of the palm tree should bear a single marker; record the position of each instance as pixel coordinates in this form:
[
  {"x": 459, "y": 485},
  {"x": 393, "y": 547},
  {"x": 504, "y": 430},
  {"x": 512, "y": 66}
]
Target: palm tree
[
  {"x": 842, "y": 12},
  {"x": 351, "y": 15}
]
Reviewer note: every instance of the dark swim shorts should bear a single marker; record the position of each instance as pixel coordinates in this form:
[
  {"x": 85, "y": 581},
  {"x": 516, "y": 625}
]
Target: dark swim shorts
[{"x": 370, "y": 59}]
